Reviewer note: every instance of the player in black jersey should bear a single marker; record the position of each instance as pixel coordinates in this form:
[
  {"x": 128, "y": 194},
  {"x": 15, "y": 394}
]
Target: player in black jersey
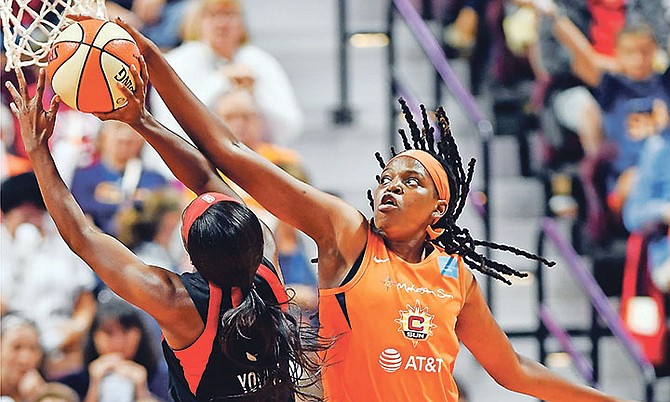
[{"x": 226, "y": 326}]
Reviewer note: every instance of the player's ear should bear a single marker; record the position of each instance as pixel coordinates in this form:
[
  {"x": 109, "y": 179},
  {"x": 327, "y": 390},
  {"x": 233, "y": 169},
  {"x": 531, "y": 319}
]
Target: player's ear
[{"x": 440, "y": 209}]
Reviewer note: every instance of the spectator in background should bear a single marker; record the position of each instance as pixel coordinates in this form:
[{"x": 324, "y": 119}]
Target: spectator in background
[
  {"x": 55, "y": 392},
  {"x": 20, "y": 358},
  {"x": 151, "y": 230},
  {"x": 160, "y": 20},
  {"x": 41, "y": 277},
  {"x": 600, "y": 22},
  {"x": 10, "y": 163},
  {"x": 117, "y": 178},
  {"x": 648, "y": 204},
  {"x": 466, "y": 35},
  {"x": 120, "y": 342},
  {"x": 218, "y": 55},
  {"x": 238, "y": 109},
  {"x": 627, "y": 96}
]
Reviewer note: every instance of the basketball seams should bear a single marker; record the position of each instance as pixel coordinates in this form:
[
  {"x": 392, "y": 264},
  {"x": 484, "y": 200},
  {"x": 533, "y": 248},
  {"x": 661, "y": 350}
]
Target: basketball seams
[
  {"x": 81, "y": 42},
  {"x": 109, "y": 88},
  {"x": 69, "y": 95},
  {"x": 80, "y": 31},
  {"x": 90, "y": 48},
  {"x": 70, "y": 57},
  {"x": 98, "y": 33},
  {"x": 80, "y": 75},
  {"x": 114, "y": 56}
]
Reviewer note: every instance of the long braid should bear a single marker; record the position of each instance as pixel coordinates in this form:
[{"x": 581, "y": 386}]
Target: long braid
[{"x": 454, "y": 240}]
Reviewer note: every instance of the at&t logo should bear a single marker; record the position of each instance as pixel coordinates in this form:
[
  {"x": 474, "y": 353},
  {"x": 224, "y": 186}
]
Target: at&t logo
[{"x": 391, "y": 361}]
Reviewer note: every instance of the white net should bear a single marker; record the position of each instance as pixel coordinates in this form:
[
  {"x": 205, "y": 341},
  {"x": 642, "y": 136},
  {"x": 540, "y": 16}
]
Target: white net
[{"x": 30, "y": 26}]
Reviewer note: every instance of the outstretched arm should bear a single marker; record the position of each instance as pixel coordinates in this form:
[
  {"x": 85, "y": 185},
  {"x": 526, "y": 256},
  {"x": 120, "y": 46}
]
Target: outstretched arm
[
  {"x": 586, "y": 64},
  {"x": 338, "y": 229},
  {"x": 479, "y": 332},
  {"x": 157, "y": 291}
]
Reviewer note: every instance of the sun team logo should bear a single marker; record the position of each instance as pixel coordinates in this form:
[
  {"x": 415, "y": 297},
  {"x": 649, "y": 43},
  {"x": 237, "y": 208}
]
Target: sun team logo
[{"x": 415, "y": 323}]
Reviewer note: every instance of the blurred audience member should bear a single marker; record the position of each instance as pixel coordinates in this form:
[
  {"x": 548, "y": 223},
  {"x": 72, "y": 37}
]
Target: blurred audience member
[
  {"x": 10, "y": 163},
  {"x": 600, "y": 23},
  {"x": 218, "y": 55},
  {"x": 121, "y": 359},
  {"x": 462, "y": 32},
  {"x": 117, "y": 178},
  {"x": 55, "y": 392},
  {"x": 20, "y": 359},
  {"x": 633, "y": 98},
  {"x": 648, "y": 205},
  {"x": 238, "y": 109},
  {"x": 41, "y": 277},
  {"x": 159, "y": 20},
  {"x": 151, "y": 230},
  {"x": 466, "y": 34}
]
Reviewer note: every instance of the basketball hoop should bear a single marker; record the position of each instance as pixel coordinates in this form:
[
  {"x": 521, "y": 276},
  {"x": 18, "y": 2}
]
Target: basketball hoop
[{"x": 30, "y": 26}]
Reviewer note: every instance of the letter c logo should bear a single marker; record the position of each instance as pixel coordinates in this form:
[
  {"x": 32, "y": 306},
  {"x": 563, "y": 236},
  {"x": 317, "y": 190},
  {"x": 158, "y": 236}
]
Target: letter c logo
[{"x": 415, "y": 323}]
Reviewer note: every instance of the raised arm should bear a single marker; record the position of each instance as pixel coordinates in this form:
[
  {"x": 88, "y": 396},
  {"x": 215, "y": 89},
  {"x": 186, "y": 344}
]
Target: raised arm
[
  {"x": 338, "y": 229},
  {"x": 586, "y": 64},
  {"x": 157, "y": 291},
  {"x": 480, "y": 333}
]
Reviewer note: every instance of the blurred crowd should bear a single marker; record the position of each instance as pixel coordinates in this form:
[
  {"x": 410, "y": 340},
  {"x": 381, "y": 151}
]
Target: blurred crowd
[
  {"x": 584, "y": 81},
  {"x": 585, "y": 88}
]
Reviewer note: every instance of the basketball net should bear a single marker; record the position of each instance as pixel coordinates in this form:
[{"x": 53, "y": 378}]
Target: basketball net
[{"x": 30, "y": 26}]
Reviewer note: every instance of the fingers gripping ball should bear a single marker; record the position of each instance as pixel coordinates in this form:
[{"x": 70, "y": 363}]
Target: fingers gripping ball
[{"x": 86, "y": 61}]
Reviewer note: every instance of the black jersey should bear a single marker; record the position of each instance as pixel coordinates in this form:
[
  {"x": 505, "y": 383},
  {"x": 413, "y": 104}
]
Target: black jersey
[{"x": 201, "y": 372}]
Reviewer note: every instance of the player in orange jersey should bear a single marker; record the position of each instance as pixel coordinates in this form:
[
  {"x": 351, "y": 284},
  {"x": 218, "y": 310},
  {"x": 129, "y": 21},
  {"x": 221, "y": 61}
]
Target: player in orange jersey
[{"x": 394, "y": 290}]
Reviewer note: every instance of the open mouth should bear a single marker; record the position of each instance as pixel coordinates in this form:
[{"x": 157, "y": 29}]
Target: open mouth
[{"x": 388, "y": 200}]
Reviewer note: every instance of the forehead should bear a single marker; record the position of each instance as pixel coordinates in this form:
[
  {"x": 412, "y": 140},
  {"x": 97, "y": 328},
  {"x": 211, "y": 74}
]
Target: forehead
[
  {"x": 237, "y": 102},
  {"x": 115, "y": 129},
  {"x": 21, "y": 332},
  {"x": 221, "y": 6},
  {"x": 406, "y": 164}
]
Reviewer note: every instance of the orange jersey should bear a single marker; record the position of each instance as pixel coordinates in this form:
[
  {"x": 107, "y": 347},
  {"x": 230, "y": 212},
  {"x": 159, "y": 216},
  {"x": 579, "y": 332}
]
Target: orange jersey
[{"x": 395, "y": 328}]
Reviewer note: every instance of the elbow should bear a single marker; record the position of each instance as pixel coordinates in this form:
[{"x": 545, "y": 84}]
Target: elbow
[
  {"x": 78, "y": 239},
  {"x": 517, "y": 377}
]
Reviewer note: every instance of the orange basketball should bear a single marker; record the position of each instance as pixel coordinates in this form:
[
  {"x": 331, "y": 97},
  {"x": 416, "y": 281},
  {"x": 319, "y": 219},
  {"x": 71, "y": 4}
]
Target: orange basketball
[{"x": 86, "y": 61}]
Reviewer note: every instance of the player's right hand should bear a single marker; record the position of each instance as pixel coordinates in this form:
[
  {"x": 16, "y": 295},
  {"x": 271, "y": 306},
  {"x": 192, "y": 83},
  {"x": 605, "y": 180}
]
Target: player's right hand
[{"x": 36, "y": 124}]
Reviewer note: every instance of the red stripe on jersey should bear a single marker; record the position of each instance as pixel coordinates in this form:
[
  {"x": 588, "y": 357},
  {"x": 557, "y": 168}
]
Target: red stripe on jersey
[{"x": 194, "y": 358}]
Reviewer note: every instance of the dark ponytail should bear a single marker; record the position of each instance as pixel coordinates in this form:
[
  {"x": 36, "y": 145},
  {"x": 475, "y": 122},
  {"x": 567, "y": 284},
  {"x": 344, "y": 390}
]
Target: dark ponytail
[{"x": 260, "y": 336}]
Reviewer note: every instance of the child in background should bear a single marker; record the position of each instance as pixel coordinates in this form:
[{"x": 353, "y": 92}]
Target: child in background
[
  {"x": 632, "y": 96},
  {"x": 649, "y": 205}
]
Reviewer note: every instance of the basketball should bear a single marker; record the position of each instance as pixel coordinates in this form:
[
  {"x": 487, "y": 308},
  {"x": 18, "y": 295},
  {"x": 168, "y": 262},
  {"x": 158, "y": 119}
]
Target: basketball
[{"x": 86, "y": 61}]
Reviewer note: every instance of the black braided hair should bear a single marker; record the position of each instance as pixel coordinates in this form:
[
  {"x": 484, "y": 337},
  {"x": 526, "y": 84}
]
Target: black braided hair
[{"x": 454, "y": 240}]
